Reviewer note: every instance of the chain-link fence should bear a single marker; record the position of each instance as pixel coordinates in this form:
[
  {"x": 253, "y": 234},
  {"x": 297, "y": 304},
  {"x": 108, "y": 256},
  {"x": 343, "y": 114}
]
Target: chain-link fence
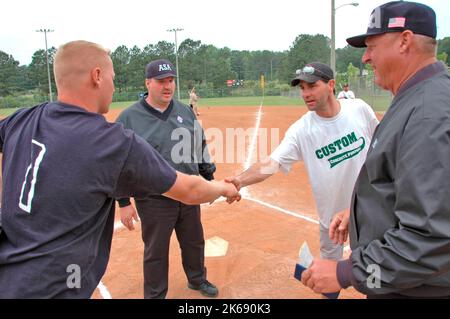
[
  {"x": 208, "y": 93},
  {"x": 363, "y": 86}
]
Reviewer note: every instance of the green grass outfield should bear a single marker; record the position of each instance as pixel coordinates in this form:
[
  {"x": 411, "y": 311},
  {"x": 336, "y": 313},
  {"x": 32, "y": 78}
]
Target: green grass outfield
[
  {"x": 380, "y": 104},
  {"x": 211, "y": 102},
  {"x": 233, "y": 101}
]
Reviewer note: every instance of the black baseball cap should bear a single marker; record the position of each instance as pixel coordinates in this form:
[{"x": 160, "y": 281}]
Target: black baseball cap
[
  {"x": 160, "y": 69},
  {"x": 313, "y": 72},
  {"x": 397, "y": 16}
]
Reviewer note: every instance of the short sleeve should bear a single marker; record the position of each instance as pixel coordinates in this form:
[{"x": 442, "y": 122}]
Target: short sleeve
[
  {"x": 145, "y": 172},
  {"x": 289, "y": 151},
  {"x": 4, "y": 126},
  {"x": 371, "y": 117}
]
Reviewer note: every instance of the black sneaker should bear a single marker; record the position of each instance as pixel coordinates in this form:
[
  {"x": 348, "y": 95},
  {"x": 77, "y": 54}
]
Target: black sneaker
[{"x": 206, "y": 288}]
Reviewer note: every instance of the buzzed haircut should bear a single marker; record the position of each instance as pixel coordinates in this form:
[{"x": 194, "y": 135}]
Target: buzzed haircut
[
  {"x": 76, "y": 58},
  {"x": 427, "y": 44}
]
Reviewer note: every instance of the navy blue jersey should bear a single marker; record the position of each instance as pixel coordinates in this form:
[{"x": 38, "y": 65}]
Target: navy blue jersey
[{"x": 62, "y": 169}]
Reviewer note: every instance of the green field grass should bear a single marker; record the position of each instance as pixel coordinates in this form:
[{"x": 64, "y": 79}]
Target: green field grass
[
  {"x": 211, "y": 102},
  {"x": 232, "y": 101},
  {"x": 6, "y": 112},
  {"x": 379, "y": 104}
]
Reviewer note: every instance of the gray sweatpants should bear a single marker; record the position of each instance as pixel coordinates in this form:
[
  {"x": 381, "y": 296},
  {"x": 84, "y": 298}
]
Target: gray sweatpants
[{"x": 329, "y": 250}]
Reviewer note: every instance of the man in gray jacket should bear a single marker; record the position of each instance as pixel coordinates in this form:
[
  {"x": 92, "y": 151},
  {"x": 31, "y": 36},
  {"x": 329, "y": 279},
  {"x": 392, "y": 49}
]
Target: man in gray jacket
[
  {"x": 173, "y": 130},
  {"x": 400, "y": 210}
]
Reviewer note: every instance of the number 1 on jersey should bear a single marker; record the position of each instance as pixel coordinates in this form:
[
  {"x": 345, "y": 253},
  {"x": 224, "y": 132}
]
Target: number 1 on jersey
[{"x": 34, "y": 167}]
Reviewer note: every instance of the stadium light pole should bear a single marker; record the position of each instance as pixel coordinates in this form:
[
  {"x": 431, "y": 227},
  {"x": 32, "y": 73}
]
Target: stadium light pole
[
  {"x": 271, "y": 60},
  {"x": 176, "y": 58},
  {"x": 50, "y": 95},
  {"x": 333, "y": 36}
]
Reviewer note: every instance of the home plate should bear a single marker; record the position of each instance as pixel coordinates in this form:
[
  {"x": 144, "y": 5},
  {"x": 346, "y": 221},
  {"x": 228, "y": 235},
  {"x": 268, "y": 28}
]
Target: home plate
[{"x": 216, "y": 247}]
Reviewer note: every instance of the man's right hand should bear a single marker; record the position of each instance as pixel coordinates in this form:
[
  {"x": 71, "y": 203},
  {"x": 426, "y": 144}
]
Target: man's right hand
[
  {"x": 127, "y": 214},
  {"x": 231, "y": 191}
]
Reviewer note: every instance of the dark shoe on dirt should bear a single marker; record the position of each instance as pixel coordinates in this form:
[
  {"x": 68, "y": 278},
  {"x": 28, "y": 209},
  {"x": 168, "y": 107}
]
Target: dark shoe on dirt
[{"x": 206, "y": 288}]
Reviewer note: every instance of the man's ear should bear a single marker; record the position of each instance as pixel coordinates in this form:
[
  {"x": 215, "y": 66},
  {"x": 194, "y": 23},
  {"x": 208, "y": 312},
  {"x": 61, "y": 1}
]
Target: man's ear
[
  {"x": 406, "y": 39},
  {"x": 96, "y": 76},
  {"x": 332, "y": 84},
  {"x": 147, "y": 83}
]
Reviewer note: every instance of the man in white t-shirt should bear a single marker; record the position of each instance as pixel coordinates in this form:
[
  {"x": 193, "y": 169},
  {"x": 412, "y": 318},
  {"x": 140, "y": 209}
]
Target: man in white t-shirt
[
  {"x": 332, "y": 140},
  {"x": 346, "y": 93}
]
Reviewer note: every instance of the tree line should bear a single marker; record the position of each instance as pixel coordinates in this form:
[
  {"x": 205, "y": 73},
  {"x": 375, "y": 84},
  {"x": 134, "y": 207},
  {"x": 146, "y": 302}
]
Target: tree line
[{"x": 202, "y": 65}]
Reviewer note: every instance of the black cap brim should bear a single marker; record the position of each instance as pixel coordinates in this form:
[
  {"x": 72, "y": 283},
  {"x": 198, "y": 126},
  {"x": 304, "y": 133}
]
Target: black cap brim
[
  {"x": 358, "y": 41},
  {"x": 305, "y": 77},
  {"x": 166, "y": 75}
]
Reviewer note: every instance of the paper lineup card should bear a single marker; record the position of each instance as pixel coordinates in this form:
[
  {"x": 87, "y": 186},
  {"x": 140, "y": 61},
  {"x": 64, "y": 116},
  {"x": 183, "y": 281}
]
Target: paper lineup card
[{"x": 305, "y": 259}]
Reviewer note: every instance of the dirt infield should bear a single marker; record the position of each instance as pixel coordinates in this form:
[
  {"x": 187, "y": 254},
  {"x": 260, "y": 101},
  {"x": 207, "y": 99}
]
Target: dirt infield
[{"x": 263, "y": 241}]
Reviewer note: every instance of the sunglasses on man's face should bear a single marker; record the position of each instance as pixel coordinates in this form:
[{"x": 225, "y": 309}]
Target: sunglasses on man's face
[{"x": 309, "y": 70}]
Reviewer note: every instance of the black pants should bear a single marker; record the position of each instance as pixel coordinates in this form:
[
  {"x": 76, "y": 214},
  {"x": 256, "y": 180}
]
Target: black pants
[{"x": 159, "y": 217}]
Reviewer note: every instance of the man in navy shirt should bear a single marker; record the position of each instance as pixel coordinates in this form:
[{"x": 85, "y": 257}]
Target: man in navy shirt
[{"x": 63, "y": 165}]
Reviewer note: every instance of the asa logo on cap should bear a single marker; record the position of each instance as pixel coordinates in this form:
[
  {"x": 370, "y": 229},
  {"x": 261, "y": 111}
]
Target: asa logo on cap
[
  {"x": 375, "y": 19},
  {"x": 164, "y": 67}
]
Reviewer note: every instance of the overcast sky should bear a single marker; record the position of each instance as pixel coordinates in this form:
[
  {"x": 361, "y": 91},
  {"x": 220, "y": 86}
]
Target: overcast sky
[{"x": 236, "y": 24}]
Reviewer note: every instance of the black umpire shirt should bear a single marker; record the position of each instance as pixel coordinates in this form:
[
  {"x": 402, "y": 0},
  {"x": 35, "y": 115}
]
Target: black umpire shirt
[{"x": 175, "y": 134}]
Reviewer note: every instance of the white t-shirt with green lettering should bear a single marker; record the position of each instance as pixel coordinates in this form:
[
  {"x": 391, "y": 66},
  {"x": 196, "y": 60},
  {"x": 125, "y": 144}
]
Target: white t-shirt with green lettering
[{"x": 333, "y": 150}]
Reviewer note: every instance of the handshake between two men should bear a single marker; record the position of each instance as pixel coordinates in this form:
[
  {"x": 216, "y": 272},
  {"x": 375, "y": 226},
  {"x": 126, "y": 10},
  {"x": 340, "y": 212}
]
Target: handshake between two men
[
  {"x": 189, "y": 189},
  {"x": 194, "y": 190}
]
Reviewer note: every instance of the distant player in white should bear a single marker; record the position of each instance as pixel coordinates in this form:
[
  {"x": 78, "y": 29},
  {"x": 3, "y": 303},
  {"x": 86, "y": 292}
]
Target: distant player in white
[
  {"x": 346, "y": 93},
  {"x": 332, "y": 140}
]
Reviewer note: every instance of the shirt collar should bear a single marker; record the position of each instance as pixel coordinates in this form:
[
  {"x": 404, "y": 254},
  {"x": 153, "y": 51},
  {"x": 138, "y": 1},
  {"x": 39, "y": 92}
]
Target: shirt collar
[{"x": 422, "y": 75}]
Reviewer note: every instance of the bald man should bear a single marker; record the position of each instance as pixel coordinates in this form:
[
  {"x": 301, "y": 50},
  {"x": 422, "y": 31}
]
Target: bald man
[{"x": 63, "y": 165}]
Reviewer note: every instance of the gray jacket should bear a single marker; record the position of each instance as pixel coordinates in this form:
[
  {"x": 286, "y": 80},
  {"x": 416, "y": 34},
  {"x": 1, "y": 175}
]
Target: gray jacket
[
  {"x": 400, "y": 212},
  {"x": 175, "y": 134}
]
